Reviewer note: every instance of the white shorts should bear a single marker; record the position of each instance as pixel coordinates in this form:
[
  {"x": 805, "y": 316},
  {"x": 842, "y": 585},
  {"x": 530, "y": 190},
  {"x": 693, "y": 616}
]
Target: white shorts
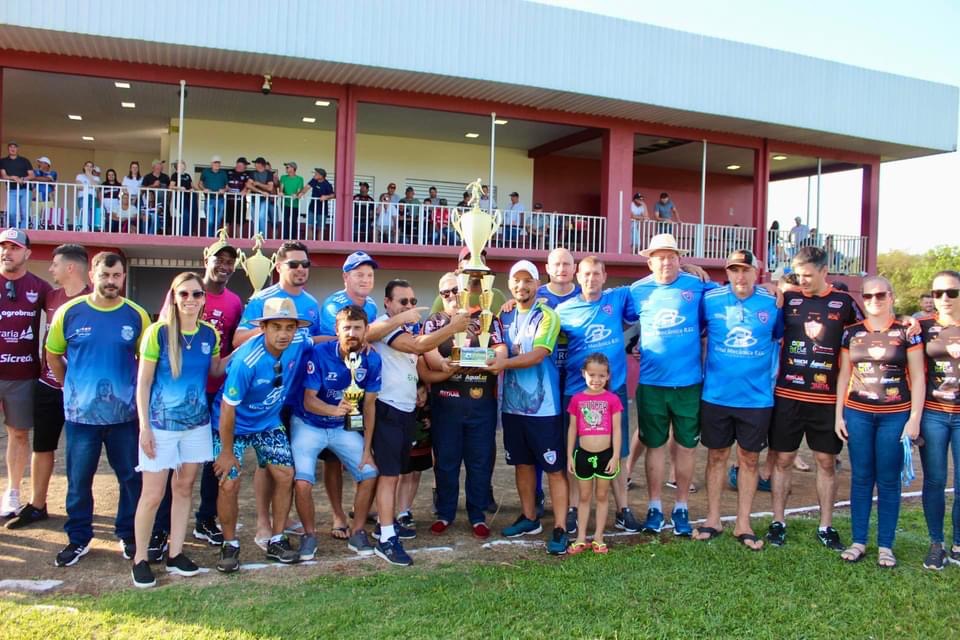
[{"x": 174, "y": 448}]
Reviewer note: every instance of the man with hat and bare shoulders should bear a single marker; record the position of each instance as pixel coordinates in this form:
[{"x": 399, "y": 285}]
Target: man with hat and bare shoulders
[
  {"x": 246, "y": 413},
  {"x": 744, "y": 327}
]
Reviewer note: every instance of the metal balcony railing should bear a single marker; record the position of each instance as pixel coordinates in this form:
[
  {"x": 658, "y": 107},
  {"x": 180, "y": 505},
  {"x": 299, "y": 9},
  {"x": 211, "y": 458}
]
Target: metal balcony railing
[{"x": 846, "y": 254}]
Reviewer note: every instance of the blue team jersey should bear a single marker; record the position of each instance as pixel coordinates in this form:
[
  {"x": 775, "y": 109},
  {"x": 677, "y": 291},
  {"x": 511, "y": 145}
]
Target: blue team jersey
[
  {"x": 327, "y": 376},
  {"x": 551, "y": 299},
  {"x": 534, "y": 391},
  {"x": 179, "y": 404},
  {"x": 306, "y": 304},
  {"x": 332, "y": 306},
  {"x": 742, "y": 342},
  {"x": 670, "y": 328},
  {"x": 253, "y": 387},
  {"x": 100, "y": 346},
  {"x": 593, "y": 327}
]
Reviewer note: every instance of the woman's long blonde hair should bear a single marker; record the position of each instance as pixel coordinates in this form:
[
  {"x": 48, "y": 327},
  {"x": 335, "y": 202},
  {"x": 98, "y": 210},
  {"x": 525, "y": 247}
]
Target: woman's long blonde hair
[{"x": 174, "y": 331}]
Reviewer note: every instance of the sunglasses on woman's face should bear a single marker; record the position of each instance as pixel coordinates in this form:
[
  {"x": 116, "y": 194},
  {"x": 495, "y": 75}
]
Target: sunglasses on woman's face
[
  {"x": 186, "y": 295},
  {"x": 937, "y": 293},
  {"x": 445, "y": 293},
  {"x": 879, "y": 295},
  {"x": 277, "y": 375}
]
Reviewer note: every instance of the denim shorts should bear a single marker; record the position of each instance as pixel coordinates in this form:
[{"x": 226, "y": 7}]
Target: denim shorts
[
  {"x": 309, "y": 441},
  {"x": 271, "y": 446},
  {"x": 174, "y": 448}
]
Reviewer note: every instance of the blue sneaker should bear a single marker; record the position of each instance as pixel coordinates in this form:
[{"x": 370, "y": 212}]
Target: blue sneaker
[
  {"x": 522, "y": 527},
  {"x": 558, "y": 543},
  {"x": 764, "y": 485},
  {"x": 654, "y": 521},
  {"x": 392, "y": 551},
  {"x": 404, "y": 533},
  {"x": 681, "y": 523},
  {"x": 732, "y": 477}
]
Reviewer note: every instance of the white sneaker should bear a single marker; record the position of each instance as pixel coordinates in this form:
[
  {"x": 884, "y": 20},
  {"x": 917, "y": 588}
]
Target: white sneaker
[{"x": 10, "y": 505}]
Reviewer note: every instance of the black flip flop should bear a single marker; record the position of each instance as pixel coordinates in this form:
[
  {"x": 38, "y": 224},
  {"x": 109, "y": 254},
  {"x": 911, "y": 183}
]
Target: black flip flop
[
  {"x": 744, "y": 538},
  {"x": 345, "y": 531},
  {"x": 710, "y": 531}
]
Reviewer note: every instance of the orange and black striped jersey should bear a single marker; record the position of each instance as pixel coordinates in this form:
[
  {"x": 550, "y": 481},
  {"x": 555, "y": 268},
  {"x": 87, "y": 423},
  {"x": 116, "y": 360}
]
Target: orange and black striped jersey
[
  {"x": 810, "y": 356},
  {"x": 879, "y": 382},
  {"x": 942, "y": 350}
]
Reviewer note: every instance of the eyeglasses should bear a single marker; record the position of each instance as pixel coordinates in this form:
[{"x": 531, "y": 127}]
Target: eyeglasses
[
  {"x": 879, "y": 295},
  {"x": 937, "y": 293},
  {"x": 277, "y": 374},
  {"x": 405, "y": 301},
  {"x": 11, "y": 290},
  {"x": 196, "y": 294},
  {"x": 293, "y": 264},
  {"x": 444, "y": 293}
]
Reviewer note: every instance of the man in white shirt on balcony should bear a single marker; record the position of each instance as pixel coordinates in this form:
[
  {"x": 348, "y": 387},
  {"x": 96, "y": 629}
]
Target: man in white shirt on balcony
[
  {"x": 638, "y": 213},
  {"x": 513, "y": 221},
  {"x": 798, "y": 234}
]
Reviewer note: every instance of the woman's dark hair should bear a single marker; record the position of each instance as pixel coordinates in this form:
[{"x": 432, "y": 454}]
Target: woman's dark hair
[
  {"x": 130, "y": 170},
  {"x": 107, "y": 177},
  {"x": 775, "y": 225}
]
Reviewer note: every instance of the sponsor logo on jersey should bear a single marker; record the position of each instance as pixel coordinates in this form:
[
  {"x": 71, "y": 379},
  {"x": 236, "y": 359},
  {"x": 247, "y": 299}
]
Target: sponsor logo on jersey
[
  {"x": 819, "y": 364},
  {"x": 819, "y": 382},
  {"x": 126, "y": 332},
  {"x": 740, "y": 338},
  {"x": 796, "y": 302},
  {"x": 18, "y": 313},
  {"x": 11, "y": 337},
  {"x": 476, "y": 392},
  {"x": 833, "y": 316},
  {"x": 667, "y": 318},
  {"x": 796, "y": 362},
  {"x": 798, "y": 347},
  {"x": 795, "y": 379},
  {"x": 331, "y": 375},
  {"x": 9, "y": 358},
  {"x": 835, "y": 304},
  {"x": 893, "y": 334},
  {"x": 596, "y": 333},
  {"x": 827, "y": 351}
]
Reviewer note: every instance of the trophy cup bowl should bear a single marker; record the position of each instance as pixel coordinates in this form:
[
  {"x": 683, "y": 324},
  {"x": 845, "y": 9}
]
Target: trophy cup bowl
[
  {"x": 475, "y": 227},
  {"x": 257, "y": 266}
]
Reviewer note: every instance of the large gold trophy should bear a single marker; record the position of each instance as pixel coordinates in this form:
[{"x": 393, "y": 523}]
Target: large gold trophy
[
  {"x": 475, "y": 228},
  {"x": 353, "y": 394},
  {"x": 257, "y": 266}
]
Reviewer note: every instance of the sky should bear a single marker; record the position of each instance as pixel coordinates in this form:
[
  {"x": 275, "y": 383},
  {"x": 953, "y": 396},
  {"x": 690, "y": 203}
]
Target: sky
[{"x": 917, "y": 39}]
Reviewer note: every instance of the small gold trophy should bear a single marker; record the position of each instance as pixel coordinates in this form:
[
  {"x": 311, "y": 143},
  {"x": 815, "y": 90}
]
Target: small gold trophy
[
  {"x": 353, "y": 394},
  {"x": 257, "y": 266},
  {"x": 475, "y": 228}
]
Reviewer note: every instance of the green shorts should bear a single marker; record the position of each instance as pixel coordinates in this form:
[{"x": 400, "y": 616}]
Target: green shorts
[{"x": 659, "y": 407}]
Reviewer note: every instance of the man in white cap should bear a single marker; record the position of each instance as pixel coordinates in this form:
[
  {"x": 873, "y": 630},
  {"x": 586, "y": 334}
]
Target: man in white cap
[
  {"x": 44, "y": 175},
  {"x": 668, "y": 301},
  {"x": 532, "y": 414},
  {"x": 246, "y": 413}
]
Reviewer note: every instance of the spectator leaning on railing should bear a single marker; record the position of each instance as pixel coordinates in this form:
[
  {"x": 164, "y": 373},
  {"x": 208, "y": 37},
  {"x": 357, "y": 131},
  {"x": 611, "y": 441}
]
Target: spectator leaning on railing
[
  {"x": 186, "y": 202},
  {"x": 44, "y": 174},
  {"x": 363, "y": 209},
  {"x": 387, "y": 221},
  {"x": 213, "y": 182},
  {"x": 18, "y": 170},
  {"x": 85, "y": 217},
  {"x": 321, "y": 191}
]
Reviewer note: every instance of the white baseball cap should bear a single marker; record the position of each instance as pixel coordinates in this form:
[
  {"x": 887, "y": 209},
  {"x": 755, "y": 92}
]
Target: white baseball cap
[
  {"x": 525, "y": 265},
  {"x": 215, "y": 159},
  {"x": 44, "y": 159}
]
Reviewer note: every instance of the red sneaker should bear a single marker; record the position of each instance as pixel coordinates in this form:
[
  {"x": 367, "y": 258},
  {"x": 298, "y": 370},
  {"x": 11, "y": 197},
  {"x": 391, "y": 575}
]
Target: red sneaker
[
  {"x": 439, "y": 527},
  {"x": 481, "y": 530}
]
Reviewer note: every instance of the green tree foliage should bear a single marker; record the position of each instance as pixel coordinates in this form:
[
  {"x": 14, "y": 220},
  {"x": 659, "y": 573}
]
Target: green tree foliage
[{"x": 912, "y": 275}]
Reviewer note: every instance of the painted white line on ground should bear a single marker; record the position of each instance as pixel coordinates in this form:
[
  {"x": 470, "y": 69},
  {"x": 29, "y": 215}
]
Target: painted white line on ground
[
  {"x": 29, "y": 585},
  {"x": 431, "y": 550},
  {"x": 54, "y": 608}
]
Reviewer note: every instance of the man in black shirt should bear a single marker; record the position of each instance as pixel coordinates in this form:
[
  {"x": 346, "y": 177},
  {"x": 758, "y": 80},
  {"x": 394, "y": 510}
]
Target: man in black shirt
[
  {"x": 237, "y": 179},
  {"x": 155, "y": 201},
  {"x": 17, "y": 170}
]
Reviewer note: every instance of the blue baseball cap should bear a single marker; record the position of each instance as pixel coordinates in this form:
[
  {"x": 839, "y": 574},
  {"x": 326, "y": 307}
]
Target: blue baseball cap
[{"x": 358, "y": 258}]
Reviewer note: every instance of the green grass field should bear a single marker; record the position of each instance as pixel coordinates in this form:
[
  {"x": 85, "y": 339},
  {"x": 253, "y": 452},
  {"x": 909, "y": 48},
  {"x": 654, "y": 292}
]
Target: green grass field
[{"x": 658, "y": 590}]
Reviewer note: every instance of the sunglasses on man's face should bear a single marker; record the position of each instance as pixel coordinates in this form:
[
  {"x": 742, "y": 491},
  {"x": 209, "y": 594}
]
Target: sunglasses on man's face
[
  {"x": 937, "y": 293},
  {"x": 879, "y": 295},
  {"x": 293, "y": 264},
  {"x": 186, "y": 295},
  {"x": 277, "y": 374},
  {"x": 11, "y": 290},
  {"x": 412, "y": 301},
  {"x": 445, "y": 293}
]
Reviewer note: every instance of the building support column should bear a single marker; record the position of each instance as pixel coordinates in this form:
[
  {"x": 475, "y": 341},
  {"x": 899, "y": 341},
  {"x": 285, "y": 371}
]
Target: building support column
[
  {"x": 345, "y": 163},
  {"x": 870, "y": 214},
  {"x": 761, "y": 186},
  {"x": 616, "y": 187}
]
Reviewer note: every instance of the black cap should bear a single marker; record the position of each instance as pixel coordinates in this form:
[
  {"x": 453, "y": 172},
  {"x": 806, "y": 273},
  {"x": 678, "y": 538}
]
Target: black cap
[
  {"x": 514, "y": 194},
  {"x": 637, "y": 196},
  {"x": 242, "y": 159},
  {"x": 365, "y": 184},
  {"x": 321, "y": 171},
  {"x": 259, "y": 160}
]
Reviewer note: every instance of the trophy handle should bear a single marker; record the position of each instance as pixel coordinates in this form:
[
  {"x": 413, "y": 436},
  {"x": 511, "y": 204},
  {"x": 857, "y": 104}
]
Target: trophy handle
[
  {"x": 496, "y": 220},
  {"x": 455, "y": 221}
]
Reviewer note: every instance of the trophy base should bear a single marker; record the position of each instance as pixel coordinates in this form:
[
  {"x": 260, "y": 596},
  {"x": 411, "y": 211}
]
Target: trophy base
[
  {"x": 472, "y": 357},
  {"x": 353, "y": 422}
]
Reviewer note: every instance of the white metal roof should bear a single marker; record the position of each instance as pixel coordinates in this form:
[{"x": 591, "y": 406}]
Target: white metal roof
[{"x": 518, "y": 53}]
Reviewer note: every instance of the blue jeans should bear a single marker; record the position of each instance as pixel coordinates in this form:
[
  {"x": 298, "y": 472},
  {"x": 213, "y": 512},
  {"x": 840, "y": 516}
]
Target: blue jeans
[
  {"x": 939, "y": 430},
  {"x": 84, "y": 442},
  {"x": 18, "y": 206},
  {"x": 464, "y": 432},
  {"x": 216, "y": 203},
  {"x": 876, "y": 458}
]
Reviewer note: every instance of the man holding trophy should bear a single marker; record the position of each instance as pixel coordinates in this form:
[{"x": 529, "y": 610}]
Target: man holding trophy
[
  {"x": 337, "y": 411},
  {"x": 464, "y": 404}
]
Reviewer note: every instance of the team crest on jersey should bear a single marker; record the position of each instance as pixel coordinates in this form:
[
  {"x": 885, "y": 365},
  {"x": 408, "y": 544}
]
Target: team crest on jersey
[
  {"x": 310, "y": 367},
  {"x": 953, "y": 349},
  {"x": 126, "y": 332},
  {"x": 607, "y": 309},
  {"x": 360, "y": 374},
  {"x": 550, "y": 456},
  {"x": 763, "y": 316},
  {"x": 32, "y": 297},
  {"x": 687, "y": 295},
  {"x": 205, "y": 348}
]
